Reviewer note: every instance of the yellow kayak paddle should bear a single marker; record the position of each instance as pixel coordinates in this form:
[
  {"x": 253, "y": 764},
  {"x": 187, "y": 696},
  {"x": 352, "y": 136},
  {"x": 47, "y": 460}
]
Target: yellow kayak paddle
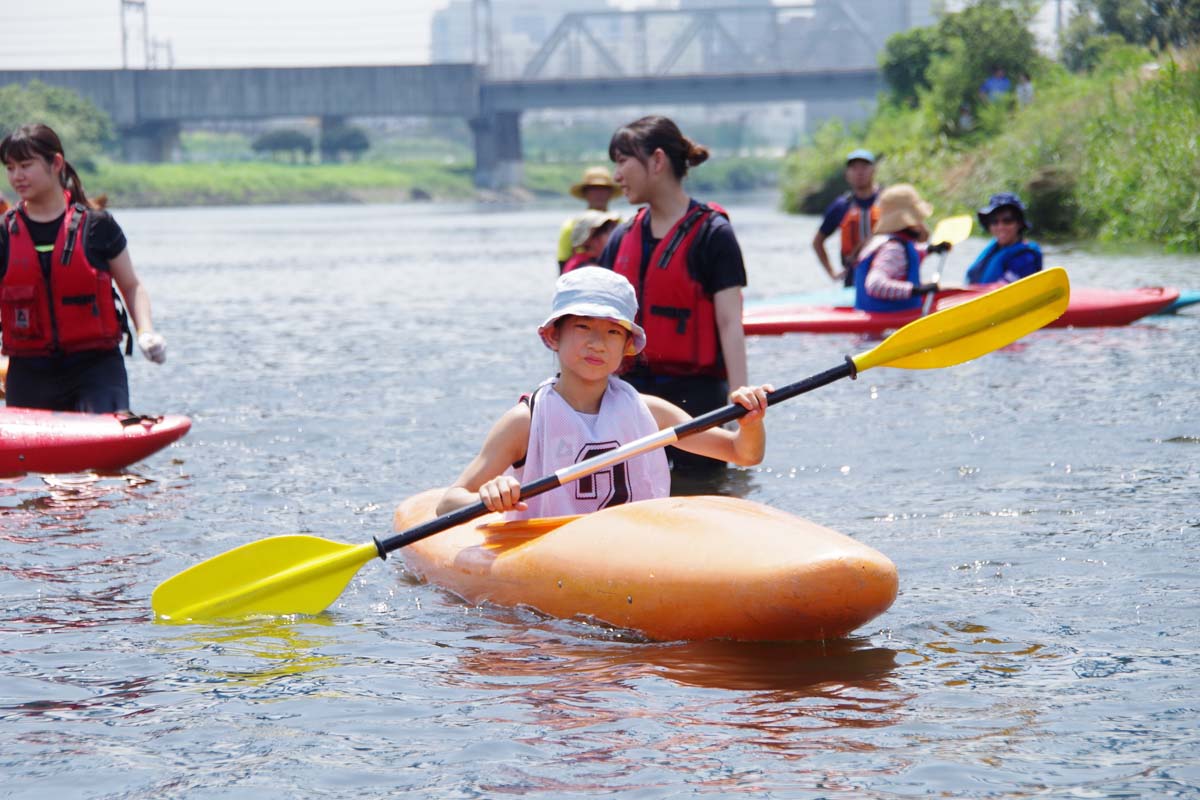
[
  {"x": 304, "y": 574},
  {"x": 951, "y": 230}
]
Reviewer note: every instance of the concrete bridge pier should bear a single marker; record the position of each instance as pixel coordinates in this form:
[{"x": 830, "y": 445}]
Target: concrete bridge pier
[
  {"x": 153, "y": 142},
  {"x": 498, "y": 162}
]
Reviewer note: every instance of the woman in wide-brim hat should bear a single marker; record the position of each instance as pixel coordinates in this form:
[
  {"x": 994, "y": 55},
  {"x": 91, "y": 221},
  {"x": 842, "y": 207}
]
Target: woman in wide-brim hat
[
  {"x": 888, "y": 278},
  {"x": 1009, "y": 256},
  {"x": 595, "y": 188}
]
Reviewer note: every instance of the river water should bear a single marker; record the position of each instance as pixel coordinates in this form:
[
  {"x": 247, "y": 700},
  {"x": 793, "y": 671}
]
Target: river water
[{"x": 1042, "y": 505}]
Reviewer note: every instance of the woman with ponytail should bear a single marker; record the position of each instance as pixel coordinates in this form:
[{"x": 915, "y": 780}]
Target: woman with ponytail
[
  {"x": 683, "y": 259},
  {"x": 61, "y": 322}
]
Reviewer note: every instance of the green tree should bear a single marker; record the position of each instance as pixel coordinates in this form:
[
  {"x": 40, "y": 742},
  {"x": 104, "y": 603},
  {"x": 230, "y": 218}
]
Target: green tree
[
  {"x": 296, "y": 145},
  {"x": 942, "y": 66},
  {"x": 349, "y": 139},
  {"x": 905, "y": 63},
  {"x": 1144, "y": 22},
  {"x": 83, "y": 128}
]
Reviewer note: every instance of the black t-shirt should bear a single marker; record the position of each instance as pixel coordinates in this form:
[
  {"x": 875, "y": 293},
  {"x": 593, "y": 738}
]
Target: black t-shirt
[
  {"x": 103, "y": 238},
  {"x": 714, "y": 261}
]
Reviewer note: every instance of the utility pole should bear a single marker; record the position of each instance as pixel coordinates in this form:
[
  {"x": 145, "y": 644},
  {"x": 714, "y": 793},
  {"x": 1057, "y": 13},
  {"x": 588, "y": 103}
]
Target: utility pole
[
  {"x": 139, "y": 6},
  {"x": 482, "y": 32},
  {"x": 157, "y": 48}
]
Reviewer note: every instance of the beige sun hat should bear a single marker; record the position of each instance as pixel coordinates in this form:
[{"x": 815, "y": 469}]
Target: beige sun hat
[
  {"x": 588, "y": 222},
  {"x": 594, "y": 176},
  {"x": 901, "y": 207}
]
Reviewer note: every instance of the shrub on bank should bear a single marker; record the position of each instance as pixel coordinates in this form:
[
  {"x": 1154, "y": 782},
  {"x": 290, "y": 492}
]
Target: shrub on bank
[{"x": 1111, "y": 155}]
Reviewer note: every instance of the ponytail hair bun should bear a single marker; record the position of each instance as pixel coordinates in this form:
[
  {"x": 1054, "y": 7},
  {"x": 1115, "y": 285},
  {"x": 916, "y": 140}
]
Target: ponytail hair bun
[
  {"x": 697, "y": 154},
  {"x": 640, "y": 138}
]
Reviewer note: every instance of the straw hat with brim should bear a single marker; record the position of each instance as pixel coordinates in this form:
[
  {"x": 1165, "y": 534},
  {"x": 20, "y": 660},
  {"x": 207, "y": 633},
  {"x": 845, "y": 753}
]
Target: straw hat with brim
[
  {"x": 900, "y": 207},
  {"x": 594, "y": 177},
  {"x": 596, "y": 292},
  {"x": 588, "y": 222}
]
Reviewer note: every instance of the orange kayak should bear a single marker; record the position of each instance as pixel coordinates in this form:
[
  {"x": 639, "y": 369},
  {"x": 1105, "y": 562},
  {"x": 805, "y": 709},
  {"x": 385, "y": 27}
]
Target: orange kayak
[{"x": 680, "y": 568}]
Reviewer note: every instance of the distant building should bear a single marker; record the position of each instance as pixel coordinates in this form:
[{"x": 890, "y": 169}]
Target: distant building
[{"x": 518, "y": 30}]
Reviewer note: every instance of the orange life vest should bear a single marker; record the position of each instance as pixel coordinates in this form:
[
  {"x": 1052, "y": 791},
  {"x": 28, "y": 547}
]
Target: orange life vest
[
  {"x": 678, "y": 316},
  {"x": 855, "y": 229},
  {"x": 74, "y": 311}
]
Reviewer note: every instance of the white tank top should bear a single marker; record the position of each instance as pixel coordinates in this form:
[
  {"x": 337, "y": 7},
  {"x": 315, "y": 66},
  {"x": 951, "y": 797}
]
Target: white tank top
[{"x": 559, "y": 436}]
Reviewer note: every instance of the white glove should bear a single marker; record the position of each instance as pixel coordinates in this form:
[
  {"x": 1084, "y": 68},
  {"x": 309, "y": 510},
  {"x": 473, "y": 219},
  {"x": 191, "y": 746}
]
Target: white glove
[{"x": 153, "y": 346}]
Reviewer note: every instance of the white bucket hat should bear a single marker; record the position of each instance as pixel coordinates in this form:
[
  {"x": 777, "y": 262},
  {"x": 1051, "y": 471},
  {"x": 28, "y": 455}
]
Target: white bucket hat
[{"x": 596, "y": 292}]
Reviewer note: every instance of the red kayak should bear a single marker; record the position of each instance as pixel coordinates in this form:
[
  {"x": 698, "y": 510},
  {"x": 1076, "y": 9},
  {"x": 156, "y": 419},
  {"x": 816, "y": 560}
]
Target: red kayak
[
  {"x": 1089, "y": 308},
  {"x": 33, "y": 440}
]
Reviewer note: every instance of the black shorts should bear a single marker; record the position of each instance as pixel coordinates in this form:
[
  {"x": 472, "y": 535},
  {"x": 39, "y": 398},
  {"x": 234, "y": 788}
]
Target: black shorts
[
  {"x": 94, "y": 381},
  {"x": 695, "y": 395}
]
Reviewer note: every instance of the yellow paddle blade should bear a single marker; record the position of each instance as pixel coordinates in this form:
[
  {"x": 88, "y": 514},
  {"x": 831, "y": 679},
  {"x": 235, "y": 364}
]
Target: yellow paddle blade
[
  {"x": 975, "y": 328},
  {"x": 952, "y": 230},
  {"x": 281, "y": 575}
]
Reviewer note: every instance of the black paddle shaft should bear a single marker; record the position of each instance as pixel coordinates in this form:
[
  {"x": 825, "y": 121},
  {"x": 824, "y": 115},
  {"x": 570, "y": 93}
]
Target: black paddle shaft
[{"x": 703, "y": 422}]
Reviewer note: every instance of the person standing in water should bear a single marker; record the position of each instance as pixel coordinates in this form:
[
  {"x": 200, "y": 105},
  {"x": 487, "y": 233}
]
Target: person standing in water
[
  {"x": 595, "y": 188},
  {"x": 853, "y": 215},
  {"x": 683, "y": 259},
  {"x": 62, "y": 323}
]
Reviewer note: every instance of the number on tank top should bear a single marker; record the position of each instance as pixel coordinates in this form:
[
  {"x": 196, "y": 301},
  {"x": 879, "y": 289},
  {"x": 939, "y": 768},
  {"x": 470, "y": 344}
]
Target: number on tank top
[{"x": 616, "y": 477}]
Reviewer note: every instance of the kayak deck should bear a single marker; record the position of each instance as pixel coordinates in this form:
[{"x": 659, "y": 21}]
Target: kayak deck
[
  {"x": 1088, "y": 308},
  {"x": 683, "y": 568},
  {"x": 35, "y": 440}
]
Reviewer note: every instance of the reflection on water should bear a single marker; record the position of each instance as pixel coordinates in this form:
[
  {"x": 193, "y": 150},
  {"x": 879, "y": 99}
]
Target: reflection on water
[
  {"x": 970, "y": 654},
  {"x": 784, "y": 668},
  {"x": 254, "y": 653}
]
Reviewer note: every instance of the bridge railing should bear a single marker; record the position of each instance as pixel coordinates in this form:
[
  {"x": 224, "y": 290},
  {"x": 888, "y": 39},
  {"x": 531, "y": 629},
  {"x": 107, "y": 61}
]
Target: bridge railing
[{"x": 802, "y": 36}]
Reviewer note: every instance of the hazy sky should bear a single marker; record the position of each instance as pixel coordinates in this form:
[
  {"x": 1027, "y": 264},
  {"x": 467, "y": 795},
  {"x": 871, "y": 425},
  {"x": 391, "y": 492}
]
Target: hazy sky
[
  {"x": 205, "y": 33},
  {"x": 80, "y": 34}
]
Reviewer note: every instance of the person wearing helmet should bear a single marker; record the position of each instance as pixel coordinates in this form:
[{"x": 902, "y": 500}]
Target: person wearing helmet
[{"x": 1009, "y": 256}]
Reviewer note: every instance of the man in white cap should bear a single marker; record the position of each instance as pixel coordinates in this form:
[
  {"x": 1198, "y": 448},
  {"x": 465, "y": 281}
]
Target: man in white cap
[
  {"x": 586, "y": 410},
  {"x": 853, "y": 214}
]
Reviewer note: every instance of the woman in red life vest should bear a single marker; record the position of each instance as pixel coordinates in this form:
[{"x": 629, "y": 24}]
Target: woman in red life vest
[
  {"x": 684, "y": 261},
  {"x": 60, "y": 256}
]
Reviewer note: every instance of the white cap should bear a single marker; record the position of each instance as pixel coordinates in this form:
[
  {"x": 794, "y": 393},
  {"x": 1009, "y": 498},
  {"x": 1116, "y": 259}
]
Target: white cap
[{"x": 596, "y": 292}]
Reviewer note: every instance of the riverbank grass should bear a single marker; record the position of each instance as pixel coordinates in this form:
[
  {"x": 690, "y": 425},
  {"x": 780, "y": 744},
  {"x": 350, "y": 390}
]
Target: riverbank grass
[{"x": 1111, "y": 155}]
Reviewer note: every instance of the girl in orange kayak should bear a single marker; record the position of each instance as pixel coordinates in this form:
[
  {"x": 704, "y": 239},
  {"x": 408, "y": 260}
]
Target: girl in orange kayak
[
  {"x": 63, "y": 335},
  {"x": 586, "y": 410}
]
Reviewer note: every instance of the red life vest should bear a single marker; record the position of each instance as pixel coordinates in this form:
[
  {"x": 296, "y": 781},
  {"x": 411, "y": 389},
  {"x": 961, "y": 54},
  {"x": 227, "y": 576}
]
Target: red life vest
[
  {"x": 678, "y": 315},
  {"x": 578, "y": 260},
  {"x": 75, "y": 312},
  {"x": 856, "y": 229}
]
